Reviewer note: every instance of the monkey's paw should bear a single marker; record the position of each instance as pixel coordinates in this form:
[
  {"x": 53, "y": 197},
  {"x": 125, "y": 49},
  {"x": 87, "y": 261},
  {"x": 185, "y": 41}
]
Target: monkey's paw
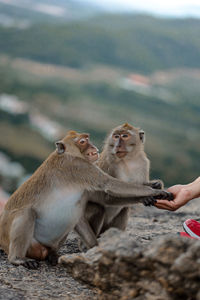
[
  {"x": 31, "y": 264},
  {"x": 157, "y": 184},
  {"x": 25, "y": 262},
  {"x": 149, "y": 201},
  {"x": 164, "y": 195}
]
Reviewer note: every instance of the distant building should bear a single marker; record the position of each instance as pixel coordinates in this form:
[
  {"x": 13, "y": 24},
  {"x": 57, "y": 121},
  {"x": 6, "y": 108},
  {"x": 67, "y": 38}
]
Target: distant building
[
  {"x": 12, "y": 104},
  {"x": 139, "y": 80},
  {"x": 19, "y": 111},
  {"x": 144, "y": 85},
  {"x": 136, "y": 82},
  {"x": 10, "y": 168},
  {"x": 49, "y": 129},
  {"x": 10, "y": 173}
]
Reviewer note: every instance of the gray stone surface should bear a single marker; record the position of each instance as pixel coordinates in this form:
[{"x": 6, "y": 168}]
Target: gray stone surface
[
  {"x": 148, "y": 261},
  {"x": 111, "y": 270}
]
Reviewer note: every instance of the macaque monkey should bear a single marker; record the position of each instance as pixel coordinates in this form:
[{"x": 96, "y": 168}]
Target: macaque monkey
[
  {"x": 39, "y": 215},
  {"x": 123, "y": 157}
]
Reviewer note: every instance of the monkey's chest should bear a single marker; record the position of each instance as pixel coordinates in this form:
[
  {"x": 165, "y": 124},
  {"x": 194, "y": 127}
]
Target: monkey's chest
[
  {"x": 57, "y": 217},
  {"x": 131, "y": 172}
]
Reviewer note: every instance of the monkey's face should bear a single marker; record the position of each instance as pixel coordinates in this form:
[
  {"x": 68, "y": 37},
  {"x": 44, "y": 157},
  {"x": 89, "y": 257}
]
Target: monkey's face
[
  {"x": 78, "y": 144},
  {"x": 90, "y": 152},
  {"x": 125, "y": 141},
  {"x": 121, "y": 141}
]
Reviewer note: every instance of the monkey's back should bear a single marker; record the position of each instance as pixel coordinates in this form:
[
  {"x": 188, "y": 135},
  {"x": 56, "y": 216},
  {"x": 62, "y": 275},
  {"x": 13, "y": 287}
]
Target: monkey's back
[{"x": 32, "y": 188}]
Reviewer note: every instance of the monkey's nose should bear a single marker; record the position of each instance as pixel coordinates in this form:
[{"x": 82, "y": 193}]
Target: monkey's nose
[{"x": 119, "y": 148}]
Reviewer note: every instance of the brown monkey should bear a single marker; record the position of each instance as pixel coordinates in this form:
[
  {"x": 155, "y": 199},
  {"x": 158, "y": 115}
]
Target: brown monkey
[
  {"x": 123, "y": 157},
  {"x": 39, "y": 215}
]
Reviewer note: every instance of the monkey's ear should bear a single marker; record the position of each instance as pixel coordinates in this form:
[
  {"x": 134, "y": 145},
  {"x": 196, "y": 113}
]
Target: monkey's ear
[
  {"x": 60, "y": 147},
  {"x": 142, "y": 136}
]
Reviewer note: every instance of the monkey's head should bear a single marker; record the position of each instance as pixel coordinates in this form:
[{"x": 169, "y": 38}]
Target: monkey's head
[
  {"x": 125, "y": 139},
  {"x": 78, "y": 144}
]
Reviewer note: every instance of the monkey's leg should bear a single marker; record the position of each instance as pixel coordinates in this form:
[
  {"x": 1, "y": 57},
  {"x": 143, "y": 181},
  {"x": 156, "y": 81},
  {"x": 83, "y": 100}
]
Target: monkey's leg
[
  {"x": 120, "y": 221},
  {"x": 52, "y": 257},
  {"x": 86, "y": 233},
  {"x": 37, "y": 251},
  {"x": 21, "y": 235},
  {"x": 95, "y": 214}
]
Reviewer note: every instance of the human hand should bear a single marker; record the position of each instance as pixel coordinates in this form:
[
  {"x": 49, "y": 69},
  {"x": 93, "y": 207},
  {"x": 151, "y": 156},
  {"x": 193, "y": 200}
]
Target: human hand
[{"x": 182, "y": 195}]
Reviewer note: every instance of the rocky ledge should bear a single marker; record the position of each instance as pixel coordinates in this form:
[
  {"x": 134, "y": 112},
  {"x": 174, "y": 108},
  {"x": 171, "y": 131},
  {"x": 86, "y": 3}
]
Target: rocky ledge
[{"x": 168, "y": 268}]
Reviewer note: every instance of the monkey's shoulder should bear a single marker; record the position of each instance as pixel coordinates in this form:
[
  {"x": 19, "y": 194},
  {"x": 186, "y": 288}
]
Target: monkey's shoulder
[{"x": 107, "y": 167}]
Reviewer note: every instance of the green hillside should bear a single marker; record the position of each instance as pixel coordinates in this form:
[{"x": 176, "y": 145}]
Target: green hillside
[
  {"x": 172, "y": 127},
  {"x": 73, "y": 74},
  {"x": 141, "y": 43},
  {"x": 49, "y": 11}
]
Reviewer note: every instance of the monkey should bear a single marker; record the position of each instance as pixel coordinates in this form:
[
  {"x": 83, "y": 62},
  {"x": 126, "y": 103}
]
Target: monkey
[
  {"x": 40, "y": 213},
  {"x": 123, "y": 157}
]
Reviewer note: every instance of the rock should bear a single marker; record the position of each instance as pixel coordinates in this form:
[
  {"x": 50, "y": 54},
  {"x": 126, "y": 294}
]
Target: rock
[{"x": 122, "y": 268}]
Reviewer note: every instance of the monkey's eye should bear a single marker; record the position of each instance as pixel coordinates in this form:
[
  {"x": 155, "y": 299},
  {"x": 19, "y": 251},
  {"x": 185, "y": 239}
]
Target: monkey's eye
[
  {"x": 125, "y": 136},
  {"x": 116, "y": 136},
  {"x": 82, "y": 141}
]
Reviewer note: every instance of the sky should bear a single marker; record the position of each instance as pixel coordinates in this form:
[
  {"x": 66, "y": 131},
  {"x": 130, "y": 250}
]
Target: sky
[{"x": 168, "y": 7}]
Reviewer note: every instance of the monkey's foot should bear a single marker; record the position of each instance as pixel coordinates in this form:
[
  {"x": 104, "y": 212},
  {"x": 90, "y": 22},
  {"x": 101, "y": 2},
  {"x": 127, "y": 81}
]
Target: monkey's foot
[
  {"x": 52, "y": 258},
  {"x": 26, "y": 262},
  {"x": 81, "y": 246},
  {"x": 31, "y": 264},
  {"x": 2, "y": 252},
  {"x": 164, "y": 195}
]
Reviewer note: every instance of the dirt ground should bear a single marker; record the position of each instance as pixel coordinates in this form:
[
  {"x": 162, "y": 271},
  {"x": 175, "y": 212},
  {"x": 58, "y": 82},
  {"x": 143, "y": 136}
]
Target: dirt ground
[{"x": 145, "y": 225}]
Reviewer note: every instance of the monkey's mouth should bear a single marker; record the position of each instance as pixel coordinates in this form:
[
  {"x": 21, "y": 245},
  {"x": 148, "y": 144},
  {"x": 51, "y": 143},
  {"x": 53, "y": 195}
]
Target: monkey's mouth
[
  {"x": 121, "y": 154},
  {"x": 93, "y": 156}
]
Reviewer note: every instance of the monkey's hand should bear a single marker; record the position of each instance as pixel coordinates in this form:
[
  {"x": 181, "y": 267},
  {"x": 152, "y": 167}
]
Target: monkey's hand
[
  {"x": 146, "y": 200},
  {"x": 157, "y": 184},
  {"x": 150, "y": 201},
  {"x": 164, "y": 195}
]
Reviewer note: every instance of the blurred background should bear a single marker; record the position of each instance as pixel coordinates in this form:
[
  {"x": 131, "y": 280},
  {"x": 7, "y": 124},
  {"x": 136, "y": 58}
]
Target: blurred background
[{"x": 92, "y": 65}]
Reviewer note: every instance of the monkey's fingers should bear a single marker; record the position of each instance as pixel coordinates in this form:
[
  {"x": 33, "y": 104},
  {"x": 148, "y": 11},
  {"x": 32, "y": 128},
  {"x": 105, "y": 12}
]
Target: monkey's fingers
[
  {"x": 150, "y": 201},
  {"x": 157, "y": 185},
  {"x": 31, "y": 264},
  {"x": 165, "y": 195}
]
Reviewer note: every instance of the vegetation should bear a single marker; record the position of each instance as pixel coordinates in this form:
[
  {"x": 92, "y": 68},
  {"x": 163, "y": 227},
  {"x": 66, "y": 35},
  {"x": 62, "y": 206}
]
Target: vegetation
[
  {"x": 142, "y": 43},
  {"x": 89, "y": 97}
]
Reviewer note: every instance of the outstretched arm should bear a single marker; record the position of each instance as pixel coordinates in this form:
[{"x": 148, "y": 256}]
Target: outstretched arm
[
  {"x": 97, "y": 180},
  {"x": 128, "y": 201}
]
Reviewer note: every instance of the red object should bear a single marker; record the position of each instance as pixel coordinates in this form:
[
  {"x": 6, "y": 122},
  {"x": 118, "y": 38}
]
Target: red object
[
  {"x": 184, "y": 234},
  {"x": 192, "y": 227}
]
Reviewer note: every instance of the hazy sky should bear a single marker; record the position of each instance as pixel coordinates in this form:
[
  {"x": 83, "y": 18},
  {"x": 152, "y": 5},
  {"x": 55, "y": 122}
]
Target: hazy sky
[{"x": 168, "y": 7}]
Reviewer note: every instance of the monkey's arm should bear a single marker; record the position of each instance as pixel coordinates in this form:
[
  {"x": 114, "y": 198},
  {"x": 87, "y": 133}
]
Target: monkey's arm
[
  {"x": 127, "y": 201},
  {"x": 155, "y": 184},
  {"x": 118, "y": 188},
  {"x": 97, "y": 180}
]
